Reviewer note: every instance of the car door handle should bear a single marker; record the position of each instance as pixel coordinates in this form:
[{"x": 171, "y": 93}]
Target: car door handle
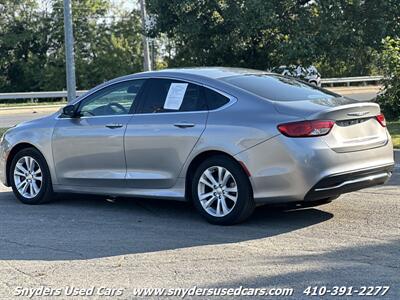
[
  {"x": 184, "y": 125},
  {"x": 114, "y": 125}
]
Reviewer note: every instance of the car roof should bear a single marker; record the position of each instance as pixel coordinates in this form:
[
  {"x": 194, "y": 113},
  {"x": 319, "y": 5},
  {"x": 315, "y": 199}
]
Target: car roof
[
  {"x": 208, "y": 72},
  {"x": 207, "y": 75},
  {"x": 213, "y": 72}
]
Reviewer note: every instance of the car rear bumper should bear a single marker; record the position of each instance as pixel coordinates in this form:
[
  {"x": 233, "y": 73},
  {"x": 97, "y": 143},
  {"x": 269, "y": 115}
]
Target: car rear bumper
[
  {"x": 338, "y": 184},
  {"x": 286, "y": 169}
]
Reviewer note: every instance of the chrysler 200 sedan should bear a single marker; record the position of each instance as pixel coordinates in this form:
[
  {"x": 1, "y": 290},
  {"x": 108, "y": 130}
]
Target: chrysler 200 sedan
[{"x": 226, "y": 139}]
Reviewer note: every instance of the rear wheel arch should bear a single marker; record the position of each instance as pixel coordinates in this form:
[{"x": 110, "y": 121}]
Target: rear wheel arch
[{"x": 197, "y": 160}]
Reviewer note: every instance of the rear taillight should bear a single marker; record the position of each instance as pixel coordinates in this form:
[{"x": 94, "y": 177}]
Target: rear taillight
[
  {"x": 306, "y": 128},
  {"x": 381, "y": 119}
]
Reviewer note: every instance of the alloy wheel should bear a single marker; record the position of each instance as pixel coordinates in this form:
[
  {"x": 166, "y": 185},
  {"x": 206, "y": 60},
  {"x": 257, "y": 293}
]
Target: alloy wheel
[
  {"x": 28, "y": 177},
  {"x": 217, "y": 191}
]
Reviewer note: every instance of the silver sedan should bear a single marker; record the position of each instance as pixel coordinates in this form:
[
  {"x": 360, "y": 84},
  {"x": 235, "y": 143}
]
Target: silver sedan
[{"x": 226, "y": 139}]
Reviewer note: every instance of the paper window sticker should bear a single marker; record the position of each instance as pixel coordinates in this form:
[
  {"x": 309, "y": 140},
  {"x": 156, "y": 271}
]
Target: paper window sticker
[{"x": 175, "y": 96}]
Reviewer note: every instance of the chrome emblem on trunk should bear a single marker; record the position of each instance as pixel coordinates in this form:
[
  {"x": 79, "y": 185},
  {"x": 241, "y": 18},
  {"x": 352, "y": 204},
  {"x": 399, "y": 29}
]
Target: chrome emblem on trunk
[{"x": 358, "y": 113}]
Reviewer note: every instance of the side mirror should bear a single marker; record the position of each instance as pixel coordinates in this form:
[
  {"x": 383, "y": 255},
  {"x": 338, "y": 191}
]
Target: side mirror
[{"x": 69, "y": 111}]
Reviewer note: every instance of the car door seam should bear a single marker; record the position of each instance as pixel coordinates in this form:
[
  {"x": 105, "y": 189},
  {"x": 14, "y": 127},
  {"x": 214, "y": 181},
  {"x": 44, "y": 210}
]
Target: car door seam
[
  {"x": 123, "y": 144},
  {"x": 194, "y": 146}
]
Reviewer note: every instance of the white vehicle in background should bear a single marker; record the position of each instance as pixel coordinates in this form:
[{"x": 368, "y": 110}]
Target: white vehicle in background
[{"x": 309, "y": 74}]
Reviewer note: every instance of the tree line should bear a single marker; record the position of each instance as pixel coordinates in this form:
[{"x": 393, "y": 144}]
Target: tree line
[
  {"x": 339, "y": 37},
  {"x": 107, "y": 44}
]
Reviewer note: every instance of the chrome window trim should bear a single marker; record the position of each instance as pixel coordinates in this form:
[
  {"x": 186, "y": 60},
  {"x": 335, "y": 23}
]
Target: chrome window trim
[
  {"x": 172, "y": 113},
  {"x": 93, "y": 117},
  {"x": 232, "y": 99}
]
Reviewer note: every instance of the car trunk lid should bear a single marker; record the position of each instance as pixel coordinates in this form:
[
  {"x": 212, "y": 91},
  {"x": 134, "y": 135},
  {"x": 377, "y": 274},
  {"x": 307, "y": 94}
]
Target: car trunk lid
[{"x": 356, "y": 127}]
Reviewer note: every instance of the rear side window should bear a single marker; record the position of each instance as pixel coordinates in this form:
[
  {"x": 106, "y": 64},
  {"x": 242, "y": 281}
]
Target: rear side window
[
  {"x": 278, "y": 88},
  {"x": 165, "y": 95},
  {"x": 215, "y": 100}
]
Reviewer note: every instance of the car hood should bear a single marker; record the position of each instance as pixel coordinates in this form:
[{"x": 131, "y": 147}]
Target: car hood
[{"x": 38, "y": 120}]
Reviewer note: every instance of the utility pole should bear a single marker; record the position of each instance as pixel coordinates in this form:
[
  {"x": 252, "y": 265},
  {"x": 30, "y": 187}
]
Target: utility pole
[
  {"x": 153, "y": 55},
  {"x": 69, "y": 50},
  {"x": 146, "y": 54}
]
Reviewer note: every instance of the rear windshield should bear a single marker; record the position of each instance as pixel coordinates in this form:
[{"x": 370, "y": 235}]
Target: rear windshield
[{"x": 278, "y": 88}]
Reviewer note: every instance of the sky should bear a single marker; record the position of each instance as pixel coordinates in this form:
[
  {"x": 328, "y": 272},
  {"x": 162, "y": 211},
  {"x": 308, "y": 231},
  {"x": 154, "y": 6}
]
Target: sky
[{"x": 128, "y": 4}]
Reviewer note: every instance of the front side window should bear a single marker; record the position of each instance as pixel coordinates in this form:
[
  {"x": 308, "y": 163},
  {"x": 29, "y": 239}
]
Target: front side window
[
  {"x": 113, "y": 100},
  {"x": 166, "y": 95}
]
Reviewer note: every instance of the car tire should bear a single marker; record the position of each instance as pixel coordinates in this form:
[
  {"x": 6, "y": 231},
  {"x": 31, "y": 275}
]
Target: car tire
[
  {"x": 226, "y": 200},
  {"x": 29, "y": 166}
]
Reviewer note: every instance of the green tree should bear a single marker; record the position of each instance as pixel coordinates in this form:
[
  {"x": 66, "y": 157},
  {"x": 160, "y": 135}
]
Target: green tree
[
  {"x": 389, "y": 63},
  {"x": 23, "y": 37},
  {"x": 107, "y": 44},
  {"x": 347, "y": 33},
  {"x": 339, "y": 36}
]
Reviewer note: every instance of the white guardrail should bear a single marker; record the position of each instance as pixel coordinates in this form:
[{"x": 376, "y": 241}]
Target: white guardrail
[
  {"x": 364, "y": 80},
  {"x": 349, "y": 80},
  {"x": 37, "y": 95}
]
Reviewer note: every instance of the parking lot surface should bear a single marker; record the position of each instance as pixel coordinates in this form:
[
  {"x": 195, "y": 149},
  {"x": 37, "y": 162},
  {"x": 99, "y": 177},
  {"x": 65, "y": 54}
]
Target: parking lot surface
[{"x": 84, "y": 241}]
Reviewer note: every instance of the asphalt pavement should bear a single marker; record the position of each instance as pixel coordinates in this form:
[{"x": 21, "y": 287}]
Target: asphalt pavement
[{"x": 85, "y": 242}]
